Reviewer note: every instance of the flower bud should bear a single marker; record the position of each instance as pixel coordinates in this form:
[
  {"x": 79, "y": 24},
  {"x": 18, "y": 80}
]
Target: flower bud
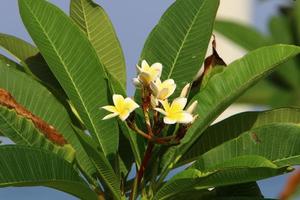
[
  {"x": 154, "y": 101},
  {"x": 185, "y": 90},
  {"x": 192, "y": 107},
  {"x": 136, "y": 82}
]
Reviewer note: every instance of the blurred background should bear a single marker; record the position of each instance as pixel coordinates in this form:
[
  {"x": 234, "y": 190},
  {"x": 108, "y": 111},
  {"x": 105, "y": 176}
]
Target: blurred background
[{"x": 133, "y": 21}]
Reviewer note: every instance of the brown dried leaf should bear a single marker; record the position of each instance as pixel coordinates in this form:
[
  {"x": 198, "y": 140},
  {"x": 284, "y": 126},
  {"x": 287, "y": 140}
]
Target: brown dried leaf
[
  {"x": 7, "y": 100},
  {"x": 210, "y": 62}
]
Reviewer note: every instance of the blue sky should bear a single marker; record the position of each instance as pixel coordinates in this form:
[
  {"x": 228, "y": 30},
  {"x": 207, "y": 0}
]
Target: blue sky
[{"x": 133, "y": 20}]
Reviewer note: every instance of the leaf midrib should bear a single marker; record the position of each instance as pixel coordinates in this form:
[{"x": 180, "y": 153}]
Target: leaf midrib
[
  {"x": 80, "y": 97},
  {"x": 85, "y": 20},
  {"x": 184, "y": 40}
]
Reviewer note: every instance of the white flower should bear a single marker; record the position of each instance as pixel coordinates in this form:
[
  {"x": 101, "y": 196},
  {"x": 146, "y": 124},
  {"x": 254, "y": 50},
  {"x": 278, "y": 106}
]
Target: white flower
[
  {"x": 174, "y": 113},
  {"x": 162, "y": 90},
  {"x": 149, "y": 73},
  {"x": 122, "y": 107}
]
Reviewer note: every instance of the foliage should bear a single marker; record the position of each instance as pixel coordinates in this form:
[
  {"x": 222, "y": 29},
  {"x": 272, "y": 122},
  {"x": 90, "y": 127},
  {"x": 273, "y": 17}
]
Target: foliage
[
  {"x": 63, "y": 104},
  {"x": 282, "y": 87}
]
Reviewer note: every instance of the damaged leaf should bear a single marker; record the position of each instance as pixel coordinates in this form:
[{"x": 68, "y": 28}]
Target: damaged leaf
[{"x": 7, "y": 100}]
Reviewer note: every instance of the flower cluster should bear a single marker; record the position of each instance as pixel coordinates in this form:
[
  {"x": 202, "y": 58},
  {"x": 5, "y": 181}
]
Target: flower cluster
[{"x": 149, "y": 78}]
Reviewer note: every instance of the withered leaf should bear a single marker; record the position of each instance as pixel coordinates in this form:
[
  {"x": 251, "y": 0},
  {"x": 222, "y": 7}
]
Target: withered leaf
[
  {"x": 210, "y": 62},
  {"x": 7, "y": 100}
]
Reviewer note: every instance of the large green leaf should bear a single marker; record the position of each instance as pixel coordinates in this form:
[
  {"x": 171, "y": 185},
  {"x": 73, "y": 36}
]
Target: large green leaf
[
  {"x": 236, "y": 170},
  {"x": 246, "y": 191},
  {"x": 29, "y": 56},
  {"x": 22, "y": 131},
  {"x": 278, "y": 142},
  {"x": 11, "y": 64},
  {"x": 232, "y": 127},
  {"x": 296, "y": 13},
  {"x": 95, "y": 23},
  {"x": 104, "y": 169},
  {"x": 245, "y": 36},
  {"x": 18, "y": 48},
  {"x": 38, "y": 100},
  {"x": 75, "y": 64},
  {"x": 266, "y": 93},
  {"x": 250, "y": 189},
  {"x": 26, "y": 166},
  {"x": 223, "y": 88},
  {"x": 179, "y": 41},
  {"x": 281, "y": 32}
]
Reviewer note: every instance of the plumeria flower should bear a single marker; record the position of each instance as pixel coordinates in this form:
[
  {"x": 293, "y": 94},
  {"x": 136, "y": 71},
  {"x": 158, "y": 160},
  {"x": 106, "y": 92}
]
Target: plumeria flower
[
  {"x": 147, "y": 73},
  {"x": 174, "y": 113},
  {"x": 162, "y": 90},
  {"x": 122, "y": 107}
]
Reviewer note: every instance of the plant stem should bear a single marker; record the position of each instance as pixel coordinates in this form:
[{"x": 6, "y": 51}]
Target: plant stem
[
  {"x": 141, "y": 171},
  {"x": 151, "y": 138}
]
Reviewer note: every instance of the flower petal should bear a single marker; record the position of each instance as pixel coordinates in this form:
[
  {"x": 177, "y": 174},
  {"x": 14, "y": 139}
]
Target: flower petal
[
  {"x": 163, "y": 94},
  {"x": 185, "y": 118},
  {"x": 123, "y": 116},
  {"x": 144, "y": 64},
  {"x": 110, "y": 108},
  {"x": 168, "y": 120},
  {"x": 168, "y": 82},
  {"x": 178, "y": 104},
  {"x": 110, "y": 116},
  {"x": 165, "y": 104},
  {"x": 160, "y": 110},
  {"x": 145, "y": 77},
  {"x": 130, "y": 104},
  {"x": 157, "y": 67},
  {"x": 139, "y": 69},
  {"x": 154, "y": 88},
  {"x": 118, "y": 101}
]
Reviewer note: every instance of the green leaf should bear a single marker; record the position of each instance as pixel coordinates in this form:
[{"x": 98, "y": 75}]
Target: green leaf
[
  {"x": 266, "y": 93},
  {"x": 250, "y": 189},
  {"x": 223, "y": 88},
  {"x": 26, "y": 166},
  {"x": 29, "y": 56},
  {"x": 22, "y": 131},
  {"x": 38, "y": 100},
  {"x": 11, "y": 64},
  {"x": 95, "y": 23},
  {"x": 245, "y": 36},
  {"x": 76, "y": 66},
  {"x": 179, "y": 41},
  {"x": 18, "y": 48},
  {"x": 281, "y": 32},
  {"x": 297, "y": 17},
  {"x": 216, "y": 194},
  {"x": 236, "y": 170},
  {"x": 279, "y": 143},
  {"x": 232, "y": 127},
  {"x": 104, "y": 169}
]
